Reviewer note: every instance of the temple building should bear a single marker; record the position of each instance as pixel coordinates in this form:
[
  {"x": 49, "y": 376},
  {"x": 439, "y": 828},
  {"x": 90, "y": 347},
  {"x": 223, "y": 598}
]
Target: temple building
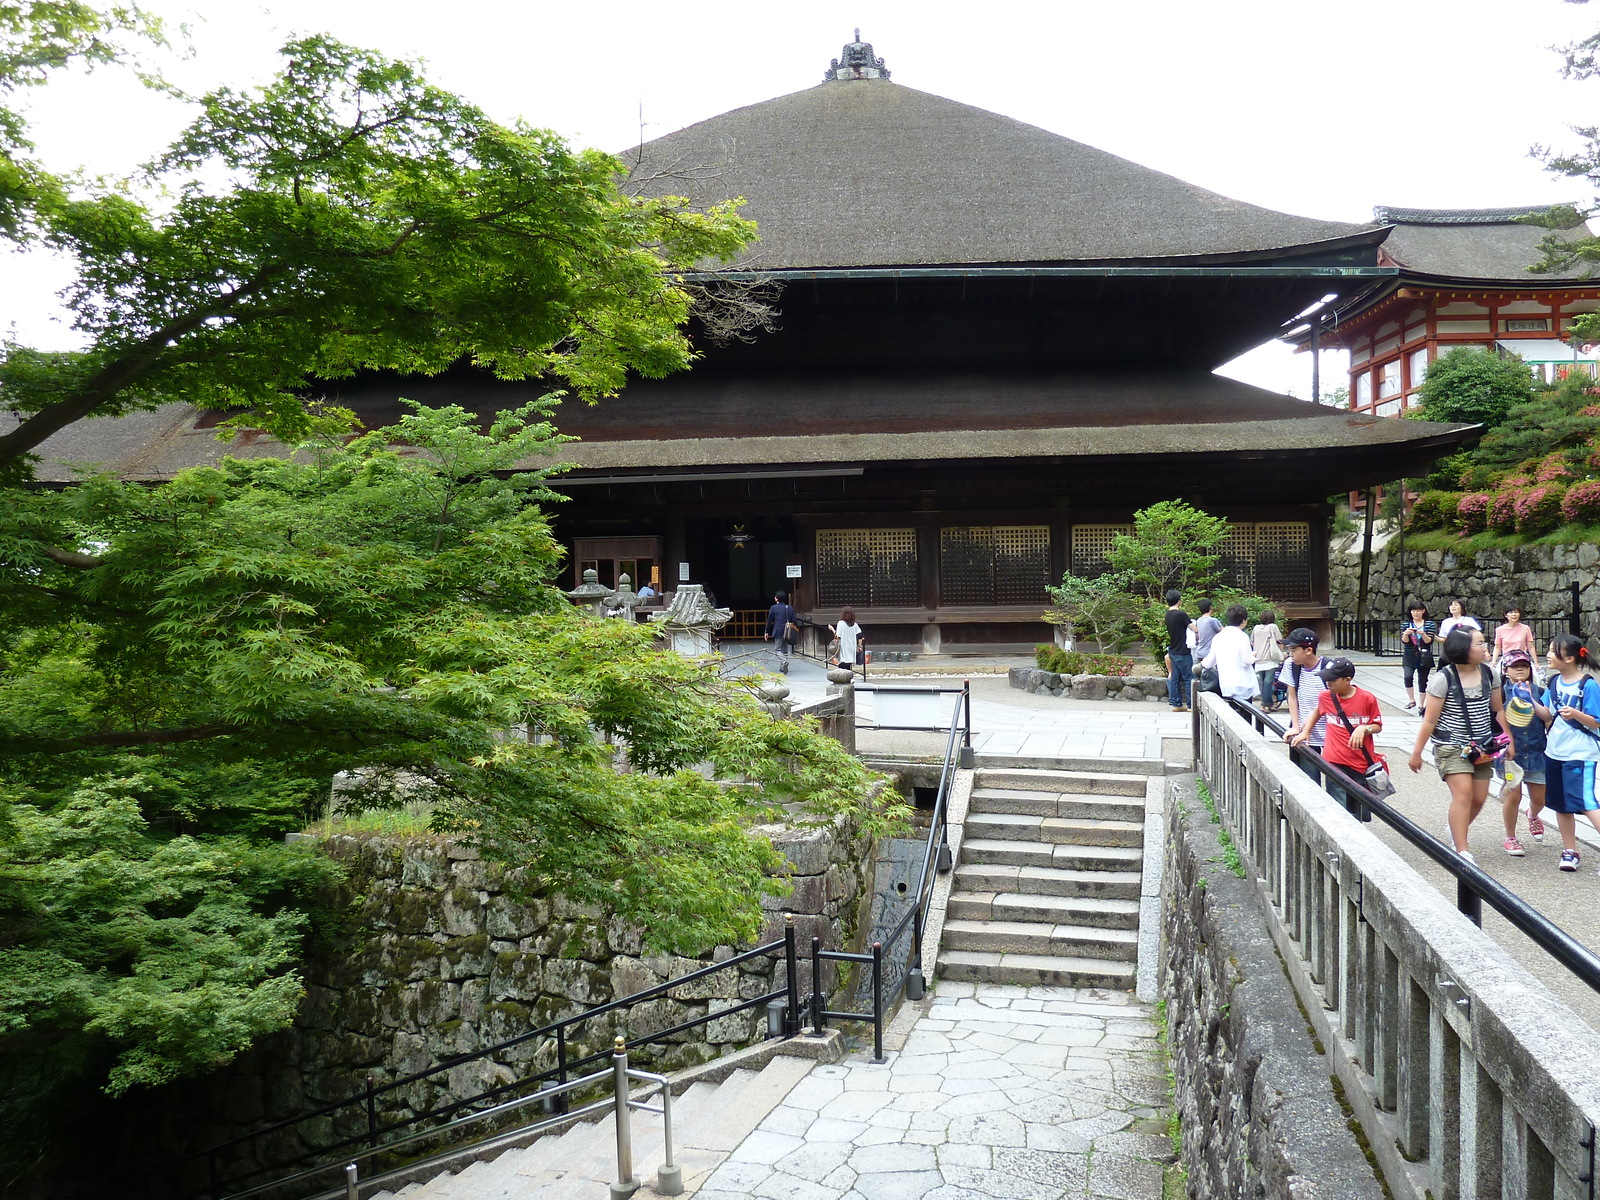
[
  {"x": 1462, "y": 278},
  {"x": 993, "y": 345}
]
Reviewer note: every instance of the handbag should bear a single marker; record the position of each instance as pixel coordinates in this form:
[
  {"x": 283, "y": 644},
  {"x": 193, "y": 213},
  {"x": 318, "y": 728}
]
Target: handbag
[
  {"x": 1376, "y": 776},
  {"x": 1207, "y": 680}
]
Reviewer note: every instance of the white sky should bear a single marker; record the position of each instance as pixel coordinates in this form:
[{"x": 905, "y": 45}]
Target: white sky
[{"x": 1319, "y": 109}]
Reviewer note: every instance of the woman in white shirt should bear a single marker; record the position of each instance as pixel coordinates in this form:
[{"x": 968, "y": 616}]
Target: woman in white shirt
[
  {"x": 851, "y": 641},
  {"x": 1232, "y": 656},
  {"x": 1458, "y": 616}
]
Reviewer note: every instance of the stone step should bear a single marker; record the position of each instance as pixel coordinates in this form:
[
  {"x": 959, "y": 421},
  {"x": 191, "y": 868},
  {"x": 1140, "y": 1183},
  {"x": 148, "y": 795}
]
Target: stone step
[
  {"x": 1059, "y": 910},
  {"x": 1021, "y": 827},
  {"x": 1040, "y": 938},
  {"x": 1034, "y": 780},
  {"x": 1056, "y": 804},
  {"x": 1048, "y": 881},
  {"x": 1036, "y": 970},
  {"x": 1050, "y": 854}
]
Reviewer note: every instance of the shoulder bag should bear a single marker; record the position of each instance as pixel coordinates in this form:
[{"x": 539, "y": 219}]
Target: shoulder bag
[
  {"x": 1376, "y": 775},
  {"x": 1478, "y": 751}
]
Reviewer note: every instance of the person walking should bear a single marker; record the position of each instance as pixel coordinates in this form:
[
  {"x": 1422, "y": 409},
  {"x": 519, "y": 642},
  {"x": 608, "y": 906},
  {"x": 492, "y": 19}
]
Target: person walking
[
  {"x": 1525, "y": 766},
  {"x": 1353, "y": 721},
  {"x": 1206, "y": 627},
  {"x": 850, "y": 638},
  {"x": 1266, "y": 639},
  {"x": 1305, "y": 686},
  {"x": 1416, "y": 650},
  {"x": 1511, "y": 634},
  {"x": 783, "y": 626},
  {"x": 1232, "y": 658},
  {"x": 1180, "y": 661},
  {"x": 1460, "y": 718},
  {"x": 1458, "y": 616},
  {"x": 1570, "y": 707}
]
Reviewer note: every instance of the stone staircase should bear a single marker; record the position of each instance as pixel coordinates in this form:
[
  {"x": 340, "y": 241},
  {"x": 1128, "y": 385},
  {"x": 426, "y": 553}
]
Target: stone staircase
[
  {"x": 1047, "y": 889},
  {"x": 709, "y": 1120}
]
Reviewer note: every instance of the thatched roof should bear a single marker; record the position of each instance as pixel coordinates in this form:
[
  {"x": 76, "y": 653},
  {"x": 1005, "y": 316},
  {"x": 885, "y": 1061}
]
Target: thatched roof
[{"x": 869, "y": 173}]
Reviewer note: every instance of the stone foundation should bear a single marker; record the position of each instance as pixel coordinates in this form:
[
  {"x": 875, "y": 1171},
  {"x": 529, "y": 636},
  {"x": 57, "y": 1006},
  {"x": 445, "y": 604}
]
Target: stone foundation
[{"x": 1539, "y": 578}]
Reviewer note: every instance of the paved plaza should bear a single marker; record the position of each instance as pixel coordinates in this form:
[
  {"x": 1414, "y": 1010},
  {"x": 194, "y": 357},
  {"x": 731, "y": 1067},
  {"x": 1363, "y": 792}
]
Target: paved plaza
[{"x": 1020, "y": 1093}]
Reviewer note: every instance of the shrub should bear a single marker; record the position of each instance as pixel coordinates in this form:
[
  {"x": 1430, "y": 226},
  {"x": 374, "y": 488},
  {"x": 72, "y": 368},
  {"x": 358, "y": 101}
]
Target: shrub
[
  {"x": 1503, "y": 511},
  {"x": 1075, "y": 662},
  {"x": 1581, "y": 504},
  {"x": 1589, "y": 410},
  {"x": 1553, "y": 468},
  {"x": 1514, "y": 479},
  {"x": 1538, "y": 509},
  {"x": 1472, "y": 511},
  {"x": 1469, "y": 386},
  {"x": 1434, "y": 510}
]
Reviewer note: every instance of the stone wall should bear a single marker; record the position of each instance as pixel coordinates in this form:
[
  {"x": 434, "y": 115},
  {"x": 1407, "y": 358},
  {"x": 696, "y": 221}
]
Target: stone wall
[
  {"x": 439, "y": 957},
  {"x": 1089, "y": 687},
  {"x": 1539, "y": 578},
  {"x": 1253, "y": 1089}
]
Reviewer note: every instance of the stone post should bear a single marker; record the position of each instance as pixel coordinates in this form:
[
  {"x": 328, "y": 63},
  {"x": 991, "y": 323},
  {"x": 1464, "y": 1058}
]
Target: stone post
[
  {"x": 623, "y": 601},
  {"x": 841, "y": 726},
  {"x": 775, "y": 698}
]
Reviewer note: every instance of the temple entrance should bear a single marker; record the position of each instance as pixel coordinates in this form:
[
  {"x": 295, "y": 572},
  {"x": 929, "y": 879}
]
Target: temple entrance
[{"x": 745, "y": 561}]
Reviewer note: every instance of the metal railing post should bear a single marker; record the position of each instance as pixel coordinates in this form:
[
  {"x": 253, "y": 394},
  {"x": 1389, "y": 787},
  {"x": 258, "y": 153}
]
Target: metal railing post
[
  {"x": 877, "y": 1003},
  {"x": 791, "y": 1017},
  {"x": 818, "y": 1001},
  {"x": 967, "y": 759},
  {"x": 372, "y": 1114},
  {"x": 669, "y": 1175},
  {"x": 352, "y": 1182},
  {"x": 1468, "y": 903},
  {"x": 626, "y": 1185}
]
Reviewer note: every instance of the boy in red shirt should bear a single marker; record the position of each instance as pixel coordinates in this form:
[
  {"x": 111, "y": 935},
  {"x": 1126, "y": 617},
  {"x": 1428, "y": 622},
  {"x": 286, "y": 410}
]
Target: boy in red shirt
[{"x": 1349, "y": 738}]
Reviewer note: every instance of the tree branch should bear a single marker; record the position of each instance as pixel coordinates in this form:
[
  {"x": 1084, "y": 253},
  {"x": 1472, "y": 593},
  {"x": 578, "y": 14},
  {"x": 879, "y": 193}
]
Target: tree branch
[{"x": 71, "y": 558}]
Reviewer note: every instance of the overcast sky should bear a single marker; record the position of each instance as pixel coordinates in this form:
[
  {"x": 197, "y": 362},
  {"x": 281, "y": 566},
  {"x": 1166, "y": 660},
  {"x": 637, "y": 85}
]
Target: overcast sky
[{"x": 1319, "y": 109}]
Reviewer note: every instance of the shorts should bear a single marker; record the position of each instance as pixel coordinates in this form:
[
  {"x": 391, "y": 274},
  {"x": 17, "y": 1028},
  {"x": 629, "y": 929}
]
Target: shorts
[
  {"x": 1450, "y": 759},
  {"x": 1569, "y": 786}
]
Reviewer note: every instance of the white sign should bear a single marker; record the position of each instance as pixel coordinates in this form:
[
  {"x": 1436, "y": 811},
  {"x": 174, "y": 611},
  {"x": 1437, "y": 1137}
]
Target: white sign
[
  {"x": 792, "y": 571},
  {"x": 683, "y": 572}
]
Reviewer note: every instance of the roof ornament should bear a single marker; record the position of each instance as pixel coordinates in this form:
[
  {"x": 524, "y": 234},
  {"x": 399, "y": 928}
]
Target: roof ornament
[{"x": 858, "y": 63}]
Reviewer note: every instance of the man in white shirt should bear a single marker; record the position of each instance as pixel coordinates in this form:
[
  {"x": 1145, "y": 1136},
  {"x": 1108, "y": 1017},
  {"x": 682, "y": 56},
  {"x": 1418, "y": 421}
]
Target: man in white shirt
[{"x": 1232, "y": 657}]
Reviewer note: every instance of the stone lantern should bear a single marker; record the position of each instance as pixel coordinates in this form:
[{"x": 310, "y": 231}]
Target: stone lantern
[
  {"x": 689, "y": 622},
  {"x": 591, "y": 593},
  {"x": 623, "y": 601}
]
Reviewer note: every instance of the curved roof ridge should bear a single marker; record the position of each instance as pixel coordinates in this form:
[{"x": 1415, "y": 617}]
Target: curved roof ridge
[
  {"x": 1386, "y": 214},
  {"x": 861, "y": 173}
]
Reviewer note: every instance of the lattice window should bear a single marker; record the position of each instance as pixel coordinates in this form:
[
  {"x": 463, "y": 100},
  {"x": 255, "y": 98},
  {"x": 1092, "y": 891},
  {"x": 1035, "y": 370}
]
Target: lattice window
[
  {"x": 1021, "y": 563},
  {"x": 1090, "y": 546},
  {"x": 1283, "y": 560},
  {"x": 866, "y": 567},
  {"x": 1005, "y": 564},
  {"x": 1236, "y": 557},
  {"x": 966, "y": 566}
]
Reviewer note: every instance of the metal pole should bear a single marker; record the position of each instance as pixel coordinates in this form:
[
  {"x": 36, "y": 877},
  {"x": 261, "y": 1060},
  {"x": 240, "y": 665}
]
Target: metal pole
[
  {"x": 817, "y": 1001},
  {"x": 877, "y": 1003},
  {"x": 1468, "y": 903},
  {"x": 967, "y": 760},
  {"x": 1316, "y": 359},
  {"x": 372, "y": 1114},
  {"x": 669, "y": 1176},
  {"x": 1575, "y": 618},
  {"x": 791, "y": 1018},
  {"x": 352, "y": 1183},
  {"x": 626, "y": 1185}
]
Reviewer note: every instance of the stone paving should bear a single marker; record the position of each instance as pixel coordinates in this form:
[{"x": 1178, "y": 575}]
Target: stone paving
[{"x": 1016, "y": 1093}]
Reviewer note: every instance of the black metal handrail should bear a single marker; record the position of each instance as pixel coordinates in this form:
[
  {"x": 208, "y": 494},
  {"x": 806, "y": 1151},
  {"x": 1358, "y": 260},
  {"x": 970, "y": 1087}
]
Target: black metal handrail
[
  {"x": 455, "y": 1111},
  {"x": 1381, "y": 636},
  {"x": 1473, "y": 884}
]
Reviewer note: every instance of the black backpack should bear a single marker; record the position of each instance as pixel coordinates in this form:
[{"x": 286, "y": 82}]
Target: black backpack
[{"x": 1296, "y": 668}]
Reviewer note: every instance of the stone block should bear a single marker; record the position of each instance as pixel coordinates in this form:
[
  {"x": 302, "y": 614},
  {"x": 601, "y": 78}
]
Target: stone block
[
  {"x": 630, "y": 975},
  {"x": 1130, "y": 693},
  {"x": 719, "y": 984},
  {"x": 1037, "y": 679},
  {"x": 504, "y": 917},
  {"x": 576, "y": 980},
  {"x": 1088, "y": 687},
  {"x": 805, "y": 928},
  {"x": 461, "y": 911},
  {"x": 736, "y": 1027},
  {"x": 624, "y": 937},
  {"x": 809, "y": 895},
  {"x": 809, "y": 851},
  {"x": 515, "y": 976},
  {"x": 1017, "y": 677}
]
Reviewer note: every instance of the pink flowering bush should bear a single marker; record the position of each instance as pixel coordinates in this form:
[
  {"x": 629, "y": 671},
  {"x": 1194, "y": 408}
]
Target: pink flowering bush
[
  {"x": 1553, "y": 468},
  {"x": 1519, "y": 480},
  {"x": 1581, "y": 504},
  {"x": 1538, "y": 509},
  {"x": 1503, "y": 511},
  {"x": 1472, "y": 511},
  {"x": 1434, "y": 510}
]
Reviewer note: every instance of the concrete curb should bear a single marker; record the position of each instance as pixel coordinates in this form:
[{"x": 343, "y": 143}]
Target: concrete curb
[
  {"x": 1147, "y": 985},
  {"x": 944, "y": 882}
]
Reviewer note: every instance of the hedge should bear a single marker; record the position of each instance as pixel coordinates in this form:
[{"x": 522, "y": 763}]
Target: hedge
[
  {"x": 1076, "y": 662},
  {"x": 1538, "y": 509},
  {"x": 1472, "y": 511},
  {"x": 1581, "y": 504},
  {"x": 1434, "y": 510},
  {"x": 1503, "y": 511}
]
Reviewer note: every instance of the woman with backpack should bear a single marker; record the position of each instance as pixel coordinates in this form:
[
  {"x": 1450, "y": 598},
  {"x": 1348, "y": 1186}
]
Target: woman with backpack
[
  {"x": 1464, "y": 719},
  {"x": 1571, "y": 708}
]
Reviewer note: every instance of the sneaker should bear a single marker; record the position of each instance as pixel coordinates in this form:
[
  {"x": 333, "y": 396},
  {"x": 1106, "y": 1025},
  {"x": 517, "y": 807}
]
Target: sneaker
[
  {"x": 1411, "y": 706},
  {"x": 1569, "y": 860},
  {"x": 1514, "y": 848},
  {"x": 1536, "y": 829},
  {"x": 1466, "y": 856}
]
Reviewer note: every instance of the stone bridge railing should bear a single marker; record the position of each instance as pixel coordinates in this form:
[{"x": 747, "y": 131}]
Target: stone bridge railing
[{"x": 1469, "y": 1077}]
